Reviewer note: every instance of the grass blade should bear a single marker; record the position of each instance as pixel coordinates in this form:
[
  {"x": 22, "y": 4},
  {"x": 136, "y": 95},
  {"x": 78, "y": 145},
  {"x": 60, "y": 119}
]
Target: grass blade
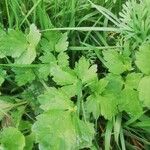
[
  {"x": 106, "y": 29},
  {"x": 108, "y": 133}
]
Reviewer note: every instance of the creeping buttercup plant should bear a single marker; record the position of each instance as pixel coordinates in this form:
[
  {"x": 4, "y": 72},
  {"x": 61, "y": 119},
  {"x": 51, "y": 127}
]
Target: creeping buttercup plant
[{"x": 52, "y": 98}]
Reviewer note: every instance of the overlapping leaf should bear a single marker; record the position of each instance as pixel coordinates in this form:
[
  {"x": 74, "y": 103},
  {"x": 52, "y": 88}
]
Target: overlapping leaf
[
  {"x": 55, "y": 99},
  {"x": 57, "y": 130},
  {"x": 23, "y": 75},
  {"x": 93, "y": 106},
  {"x": 129, "y": 102},
  {"x": 132, "y": 80},
  {"x": 12, "y": 43},
  {"x": 109, "y": 105},
  {"x": 54, "y": 130},
  {"x": 62, "y": 43},
  {"x": 144, "y": 91},
  {"x": 116, "y": 62},
  {"x": 12, "y": 139},
  {"x": 142, "y": 59},
  {"x": 29, "y": 55},
  {"x": 84, "y": 71},
  {"x": 63, "y": 77},
  {"x": 54, "y": 41}
]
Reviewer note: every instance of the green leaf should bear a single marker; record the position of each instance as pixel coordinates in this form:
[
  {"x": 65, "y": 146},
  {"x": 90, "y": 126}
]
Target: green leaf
[
  {"x": 63, "y": 130},
  {"x": 48, "y": 58},
  {"x": 84, "y": 71},
  {"x": 34, "y": 35},
  {"x": 116, "y": 62},
  {"x": 142, "y": 59},
  {"x": 21, "y": 47},
  {"x": 43, "y": 71},
  {"x": 23, "y": 75},
  {"x": 27, "y": 57},
  {"x": 16, "y": 116},
  {"x": 12, "y": 139},
  {"x": 13, "y": 43},
  {"x": 84, "y": 133},
  {"x": 106, "y": 96},
  {"x": 99, "y": 86},
  {"x": 33, "y": 39},
  {"x": 55, "y": 99},
  {"x": 2, "y": 76},
  {"x": 63, "y": 59},
  {"x": 70, "y": 90},
  {"x": 23, "y": 125},
  {"x": 49, "y": 40},
  {"x": 108, "y": 105},
  {"x": 54, "y": 130},
  {"x": 115, "y": 84},
  {"x": 93, "y": 106},
  {"x": 62, "y": 43},
  {"x": 144, "y": 91},
  {"x": 29, "y": 142},
  {"x": 132, "y": 80},
  {"x": 62, "y": 77},
  {"x": 130, "y": 102}
]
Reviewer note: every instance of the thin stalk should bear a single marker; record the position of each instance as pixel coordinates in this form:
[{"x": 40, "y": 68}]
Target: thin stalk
[
  {"x": 79, "y": 96},
  {"x": 8, "y": 14},
  {"x": 85, "y": 48},
  {"x": 30, "y": 11},
  {"x": 106, "y": 29}
]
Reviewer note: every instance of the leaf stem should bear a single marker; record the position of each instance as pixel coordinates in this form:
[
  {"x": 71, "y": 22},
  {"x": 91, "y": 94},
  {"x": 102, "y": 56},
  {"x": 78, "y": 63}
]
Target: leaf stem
[{"x": 79, "y": 96}]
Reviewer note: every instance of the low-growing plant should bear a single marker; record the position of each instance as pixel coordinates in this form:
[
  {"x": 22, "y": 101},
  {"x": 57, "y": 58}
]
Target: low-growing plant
[{"x": 54, "y": 97}]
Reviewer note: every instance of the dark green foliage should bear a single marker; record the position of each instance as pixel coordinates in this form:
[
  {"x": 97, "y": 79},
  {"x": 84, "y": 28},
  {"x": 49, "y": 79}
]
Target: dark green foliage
[{"x": 74, "y": 74}]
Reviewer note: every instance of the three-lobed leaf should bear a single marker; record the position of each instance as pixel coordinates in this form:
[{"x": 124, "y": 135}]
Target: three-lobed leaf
[
  {"x": 84, "y": 71},
  {"x": 116, "y": 62}
]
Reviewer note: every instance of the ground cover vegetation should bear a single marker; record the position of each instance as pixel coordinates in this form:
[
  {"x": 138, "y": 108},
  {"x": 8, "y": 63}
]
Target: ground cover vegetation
[{"x": 74, "y": 74}]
